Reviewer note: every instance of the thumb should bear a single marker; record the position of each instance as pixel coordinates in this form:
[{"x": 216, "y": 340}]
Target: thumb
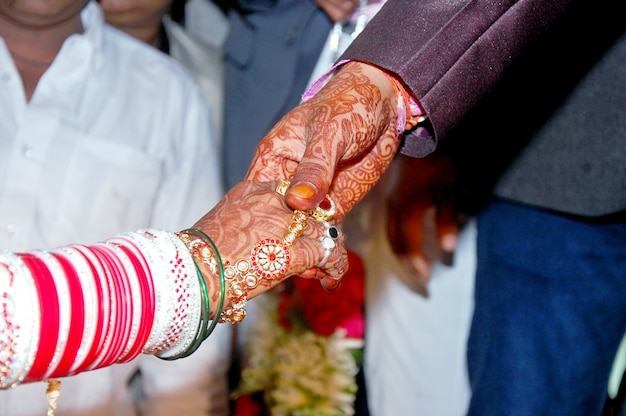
[{"x": 311, "y": 181}]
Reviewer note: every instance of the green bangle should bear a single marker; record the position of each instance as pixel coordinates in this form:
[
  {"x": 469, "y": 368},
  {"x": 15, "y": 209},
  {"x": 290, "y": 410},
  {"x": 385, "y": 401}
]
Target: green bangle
[
  {"x": 206, "y": 258},
  {"x": 212, "y": 259}
]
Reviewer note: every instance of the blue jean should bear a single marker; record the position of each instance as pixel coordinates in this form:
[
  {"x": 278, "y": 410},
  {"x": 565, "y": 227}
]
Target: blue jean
[{"x": 550, "y": 312}]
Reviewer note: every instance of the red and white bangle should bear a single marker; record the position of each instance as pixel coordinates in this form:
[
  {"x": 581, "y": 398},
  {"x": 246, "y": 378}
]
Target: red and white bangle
[
  {"x": 78, "y": 308},
  {"x": 159, "y": 271},
  {"x": 137, "y": 246},
  {"x": 112, "y": 324},
  {"x": 90, "y": 295},
  {"x": 20, "y": 317},
  {"x": 187, "y": 302},
  {"x": 49, "y": 314},
  {"x": 142, "y": 296},
  {"x": 121, "y": 324},
  {"x": 133, "y": 299},
  {"x": 101, "y": 320},
  {"x": 178, "y": 295},
  {"x": 66, "y": 306},
  {"x": 73, "y": 330}
]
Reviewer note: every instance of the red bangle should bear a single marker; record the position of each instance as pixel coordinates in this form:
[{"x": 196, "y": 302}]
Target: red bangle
[
  {"x": 75, "y": 335},
  {"x": 148, "y": 290},
  {"x": 118, "y": 312},
  {"x": 49, "y": 307},
  {"x": 91, "y": 305},
  {"x": 103, "y": 320},
  {"x": 124, "y": 303},
  {"x": 132, "y": 304},
  {"x": 127, "y": 299},
  {"x": 112, "y": 328},
  {"x": 147, "y": 299}
]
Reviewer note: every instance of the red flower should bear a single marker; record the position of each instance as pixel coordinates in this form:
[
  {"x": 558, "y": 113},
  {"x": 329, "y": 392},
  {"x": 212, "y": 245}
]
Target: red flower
[
  {"x": 285, "y": 310},
  {"x": 325, "y": 312},
  {"x": 247, "y": 406}
]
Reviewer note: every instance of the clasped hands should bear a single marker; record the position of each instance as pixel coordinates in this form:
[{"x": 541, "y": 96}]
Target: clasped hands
[{"x": 337, "y": 144}]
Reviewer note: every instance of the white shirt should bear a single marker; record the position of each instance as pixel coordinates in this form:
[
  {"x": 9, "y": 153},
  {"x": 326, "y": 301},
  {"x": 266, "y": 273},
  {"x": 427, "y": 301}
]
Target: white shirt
[
  {"x": 205, "y": 63},
  {"x": 116, "y": 137}
]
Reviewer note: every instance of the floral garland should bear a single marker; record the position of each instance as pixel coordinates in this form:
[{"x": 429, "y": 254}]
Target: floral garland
[{"x": 303, "y": 353}]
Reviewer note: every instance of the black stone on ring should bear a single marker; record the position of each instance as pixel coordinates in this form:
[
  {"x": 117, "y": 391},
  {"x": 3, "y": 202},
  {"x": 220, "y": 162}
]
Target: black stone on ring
[{"x": 331, "y": 230}]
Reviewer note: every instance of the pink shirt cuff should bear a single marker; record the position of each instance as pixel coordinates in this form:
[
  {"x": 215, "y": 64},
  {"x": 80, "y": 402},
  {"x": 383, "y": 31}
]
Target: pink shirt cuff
[{"x": 414, "y": 106}]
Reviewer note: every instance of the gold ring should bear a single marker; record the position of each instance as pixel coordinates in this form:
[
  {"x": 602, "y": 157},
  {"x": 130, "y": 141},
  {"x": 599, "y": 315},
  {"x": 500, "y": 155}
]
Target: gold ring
[
  {"x": 282, "y": 186},
  {"x": 325, "y": 211}
]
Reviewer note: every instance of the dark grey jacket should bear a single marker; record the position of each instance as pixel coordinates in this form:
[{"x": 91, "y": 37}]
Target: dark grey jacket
[{"x": 534, "y": 90}]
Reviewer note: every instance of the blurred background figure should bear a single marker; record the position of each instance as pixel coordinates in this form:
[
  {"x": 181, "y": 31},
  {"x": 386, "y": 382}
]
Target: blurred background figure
[
  {"x": 154, "y": 23},
  {"x": 419, "y": 296}
]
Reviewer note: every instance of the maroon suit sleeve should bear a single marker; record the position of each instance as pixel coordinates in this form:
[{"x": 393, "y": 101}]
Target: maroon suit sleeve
[{"x": 450, "y": 52}]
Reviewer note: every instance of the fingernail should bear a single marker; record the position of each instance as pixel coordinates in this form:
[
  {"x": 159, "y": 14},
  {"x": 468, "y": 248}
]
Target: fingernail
[{"x": 302, "y": 190}]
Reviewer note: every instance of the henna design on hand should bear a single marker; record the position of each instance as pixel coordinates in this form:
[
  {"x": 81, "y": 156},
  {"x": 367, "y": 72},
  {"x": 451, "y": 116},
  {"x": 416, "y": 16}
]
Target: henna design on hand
[
  {"x": 252, "y": 212},
  {"x": 340, "y": 142}
]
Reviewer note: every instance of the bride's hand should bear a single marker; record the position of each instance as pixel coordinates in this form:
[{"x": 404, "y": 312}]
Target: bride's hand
[{"x": 253, "y": 216}]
